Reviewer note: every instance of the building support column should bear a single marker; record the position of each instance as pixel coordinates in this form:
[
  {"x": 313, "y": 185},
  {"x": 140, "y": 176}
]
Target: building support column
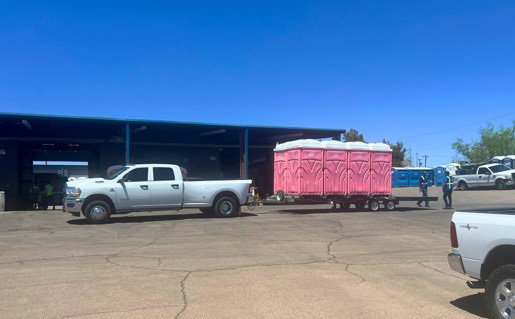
[
  {"x": 244, "y": 154},
  {"x": 127, "y": 144}
]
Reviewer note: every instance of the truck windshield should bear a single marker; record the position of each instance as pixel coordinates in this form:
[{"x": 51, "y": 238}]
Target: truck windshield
[
  {"x": 499, "y": 168},
  {"x": 117, "y": 173}
]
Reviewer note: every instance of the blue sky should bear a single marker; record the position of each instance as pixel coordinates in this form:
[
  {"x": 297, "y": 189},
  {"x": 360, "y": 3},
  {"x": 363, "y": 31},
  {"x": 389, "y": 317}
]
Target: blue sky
[{"x": 391, "y": 69}]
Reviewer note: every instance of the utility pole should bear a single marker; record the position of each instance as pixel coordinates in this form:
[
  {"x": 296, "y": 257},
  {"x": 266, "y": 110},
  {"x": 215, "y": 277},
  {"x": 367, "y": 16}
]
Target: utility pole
[
  {"x": 417, "y": 159},
  {"x": 410, "y": 157},
  {"x": 425, "y": 160}
]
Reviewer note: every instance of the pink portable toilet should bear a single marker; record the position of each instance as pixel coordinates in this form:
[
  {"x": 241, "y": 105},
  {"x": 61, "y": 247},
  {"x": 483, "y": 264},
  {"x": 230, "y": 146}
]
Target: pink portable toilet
[
  {"x": 381, "y": 169},
  {"x": 281, "y": 174},
  {"x": 335, "y": 168},
  {"x": 359, "y": 168},
  {"x": 304, "y": 173}
]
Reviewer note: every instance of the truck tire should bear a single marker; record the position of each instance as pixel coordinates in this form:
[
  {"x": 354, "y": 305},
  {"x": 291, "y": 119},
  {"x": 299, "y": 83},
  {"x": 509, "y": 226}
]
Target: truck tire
[
  {"x": 344, "y": 206},
  {"x": 208, "y": 211},
  {"x": 373, "y": 205},
  {"x": 98, "y": 212},
  {"x": 500, "y": 286},
  {"x": 500, "y": 185},
  {"x": 390, "y": 205},
  {"x": 226, "y": 207},
  {"x": 462, "y": 185}
]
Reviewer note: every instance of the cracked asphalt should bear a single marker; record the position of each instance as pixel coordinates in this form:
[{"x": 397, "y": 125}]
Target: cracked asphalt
[{"x": 274, "y": 262}]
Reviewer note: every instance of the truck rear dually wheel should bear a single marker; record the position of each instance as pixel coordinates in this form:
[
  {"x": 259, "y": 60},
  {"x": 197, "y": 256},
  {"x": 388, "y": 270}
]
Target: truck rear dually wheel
[
  {"x": 373, "y": 205},
  {"x": 98, "y": 212},
  {"x": 226, "y": 207},
  {"x": 462, "y": 186},
  {"x": 500, "y": 292}
]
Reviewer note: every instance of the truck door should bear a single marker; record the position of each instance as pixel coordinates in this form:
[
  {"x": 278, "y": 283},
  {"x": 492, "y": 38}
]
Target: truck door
[
  {"x": 166, "y": 189},
  {"x": 134, "y": 191},
  {"x": 483, "y": 177}
]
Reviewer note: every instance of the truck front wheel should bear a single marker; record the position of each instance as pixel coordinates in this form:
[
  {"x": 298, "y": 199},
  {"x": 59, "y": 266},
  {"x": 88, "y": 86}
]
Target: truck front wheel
[
  {"x": 500, "y": 292},
  {"x": 500, "y": 185},
  {"x": 226, "y": 207},
  {"x": 98, "y": 212}
]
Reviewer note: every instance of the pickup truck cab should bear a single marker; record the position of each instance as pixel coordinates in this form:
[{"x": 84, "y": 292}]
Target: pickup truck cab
[
  {"x": 483, "y": 248},
  {"x": 150, "y": 187},
  {"x": 490, "y": 175}
]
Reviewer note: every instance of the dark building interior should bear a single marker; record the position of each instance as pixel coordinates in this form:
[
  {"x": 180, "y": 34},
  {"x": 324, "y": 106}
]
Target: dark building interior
[{"x": 207, "y": 151}]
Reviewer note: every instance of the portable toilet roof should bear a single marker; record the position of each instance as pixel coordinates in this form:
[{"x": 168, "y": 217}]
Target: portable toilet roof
[
  {"x": 412, "y": 168},
  {"x": 500, "y": 158},
  {"x": 335, "y": 145},
  {"x": 357, "y": 146},
  {"x": 380, "y": 147},
  {"x": 306, "y": 143}
]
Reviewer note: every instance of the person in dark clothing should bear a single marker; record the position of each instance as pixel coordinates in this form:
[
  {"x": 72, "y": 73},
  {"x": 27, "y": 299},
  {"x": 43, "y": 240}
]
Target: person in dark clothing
[
  {"x": 447, "y": 188},
  {"x": 422, "y": 186}
]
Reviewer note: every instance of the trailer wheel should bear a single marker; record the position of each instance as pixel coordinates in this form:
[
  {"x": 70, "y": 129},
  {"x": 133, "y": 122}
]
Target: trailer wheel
[
  {"x": 373, "y": 205},
  {"x": 389, "y": 205}
]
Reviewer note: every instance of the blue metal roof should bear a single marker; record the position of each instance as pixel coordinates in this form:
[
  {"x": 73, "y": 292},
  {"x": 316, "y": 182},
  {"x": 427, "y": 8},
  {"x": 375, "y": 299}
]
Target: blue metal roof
[{"x": 139, "y": 121}]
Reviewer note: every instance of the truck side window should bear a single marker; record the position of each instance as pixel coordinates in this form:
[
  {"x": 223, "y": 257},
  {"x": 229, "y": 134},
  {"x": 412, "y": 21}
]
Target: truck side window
[
  {"x": 137, "y": 175},
  {"x": 483, "y": 171},
  {"x": 163, "y": 174}
]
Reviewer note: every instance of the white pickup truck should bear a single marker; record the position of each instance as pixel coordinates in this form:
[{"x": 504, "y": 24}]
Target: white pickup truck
[
  {"x": 483, "y": 247},
  {"x": 498, "y": 175},
  {"x": 151, "y": 187}
]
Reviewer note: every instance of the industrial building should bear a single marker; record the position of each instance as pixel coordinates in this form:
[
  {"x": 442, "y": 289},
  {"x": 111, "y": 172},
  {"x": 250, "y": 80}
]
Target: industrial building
[{"x": 207, "y": 151}]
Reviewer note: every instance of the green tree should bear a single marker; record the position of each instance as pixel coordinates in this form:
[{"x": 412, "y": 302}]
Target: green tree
[
  {"x": 398, "y": 153},
  {"x": 353, "y": 136},
  {"x": 492, "y": 142}
]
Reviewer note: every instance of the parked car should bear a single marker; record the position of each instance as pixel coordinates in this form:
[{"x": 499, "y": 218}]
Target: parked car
[
  {"x": 488, "y": 175},
  {"x": 152, "y": 187},
  {"x": 483, "y": 248}
]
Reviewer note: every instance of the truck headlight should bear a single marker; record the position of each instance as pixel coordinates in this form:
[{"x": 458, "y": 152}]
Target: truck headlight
[{"x": 73, "y": 191}]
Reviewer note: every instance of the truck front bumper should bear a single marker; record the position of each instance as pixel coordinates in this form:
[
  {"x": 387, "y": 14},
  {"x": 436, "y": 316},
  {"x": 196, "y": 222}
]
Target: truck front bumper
[
  {"x": 456, "y": 263},
  {"x": 73, "y": 205}
]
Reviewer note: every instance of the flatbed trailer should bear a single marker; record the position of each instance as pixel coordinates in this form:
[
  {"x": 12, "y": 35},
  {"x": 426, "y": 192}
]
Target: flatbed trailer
[{"x": 373, "y": 202}]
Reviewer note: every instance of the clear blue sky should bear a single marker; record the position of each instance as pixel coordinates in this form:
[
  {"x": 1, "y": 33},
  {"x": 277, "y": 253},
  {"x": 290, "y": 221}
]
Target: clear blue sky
[{"x": 392, "y": 69}]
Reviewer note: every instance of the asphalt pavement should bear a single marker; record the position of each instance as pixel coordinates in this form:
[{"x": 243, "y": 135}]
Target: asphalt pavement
[{"x": 273, "y": 262}]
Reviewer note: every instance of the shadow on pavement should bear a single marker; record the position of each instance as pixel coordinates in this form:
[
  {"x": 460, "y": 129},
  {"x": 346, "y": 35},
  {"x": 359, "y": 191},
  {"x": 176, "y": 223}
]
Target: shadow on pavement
[
  {"x": 473, "y": 304},
  {"x": 348, "y": 211},
  {"x": 151, "y": 218}
]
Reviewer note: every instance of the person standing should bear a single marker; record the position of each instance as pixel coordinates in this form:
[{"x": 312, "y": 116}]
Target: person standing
[
  {"x": 49, "y": 195},
  {"x": 447, "y": 188},
  {"x": 422, "y": 187}
]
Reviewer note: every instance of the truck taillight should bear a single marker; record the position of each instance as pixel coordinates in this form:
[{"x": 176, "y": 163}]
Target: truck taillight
[
  {"x": 454, "y": 236},
  {"x": 251, "y": 187}
]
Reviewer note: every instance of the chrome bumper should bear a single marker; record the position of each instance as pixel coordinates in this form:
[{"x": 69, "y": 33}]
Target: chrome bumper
[
  {"x": 456, "y": 263},
  {"x": 73, "y": 205}
]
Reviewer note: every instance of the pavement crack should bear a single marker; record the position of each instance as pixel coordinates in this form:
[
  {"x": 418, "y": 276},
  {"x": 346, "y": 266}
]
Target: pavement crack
[
  {"x": 439, "y": 271},
  {"x": 23, "y": 261},
  {"x": 355, "y": 274},
  {"x": 115, "y": 311},
  {"x": 184, "y": 296}
]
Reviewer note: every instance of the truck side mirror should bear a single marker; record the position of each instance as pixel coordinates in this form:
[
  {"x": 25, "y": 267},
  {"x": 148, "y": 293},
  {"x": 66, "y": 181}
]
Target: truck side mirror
[{"x": 122, "y": 180}]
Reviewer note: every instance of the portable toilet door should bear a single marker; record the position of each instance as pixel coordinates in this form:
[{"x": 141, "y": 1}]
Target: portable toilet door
[
  {"x": 293, "y": 163},
  {"x": 414, "y": 177},
  {"x": 380, "y": 169},
  {"x": 509, "y": 161},
  {"x": 335, "y": 168},
  {"x": 359, "y": 169},
  {"x": 281, "y": 172},
  {"x": 395, "y": 178},
  {"x": 439, "y": 176},
  {"x": 311, "y": 172},
  {"x": 403, "y": 178}
]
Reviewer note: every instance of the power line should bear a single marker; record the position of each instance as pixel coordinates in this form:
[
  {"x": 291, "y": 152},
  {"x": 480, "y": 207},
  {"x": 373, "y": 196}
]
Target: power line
[{"x": 456, "y": 128}]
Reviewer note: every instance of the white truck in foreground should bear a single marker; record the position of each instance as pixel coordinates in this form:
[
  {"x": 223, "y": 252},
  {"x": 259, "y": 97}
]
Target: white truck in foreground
[
  {"x": 152, "y": 187},
  {"x": 483, "y": 248},
  {"x": 489, "y": 175}
]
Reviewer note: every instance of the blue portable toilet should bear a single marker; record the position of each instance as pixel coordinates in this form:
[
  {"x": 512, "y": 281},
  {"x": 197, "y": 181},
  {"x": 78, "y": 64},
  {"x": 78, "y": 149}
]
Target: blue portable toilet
[
  {"x": 414, "y": 177},
  {"x": 430, "y": 176},
  {"x": 439, "y": 176},
  {"x": 509, "y": 161},
  {"x": 399, "y": 177},
  {"x": 403, "y": 177}
]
